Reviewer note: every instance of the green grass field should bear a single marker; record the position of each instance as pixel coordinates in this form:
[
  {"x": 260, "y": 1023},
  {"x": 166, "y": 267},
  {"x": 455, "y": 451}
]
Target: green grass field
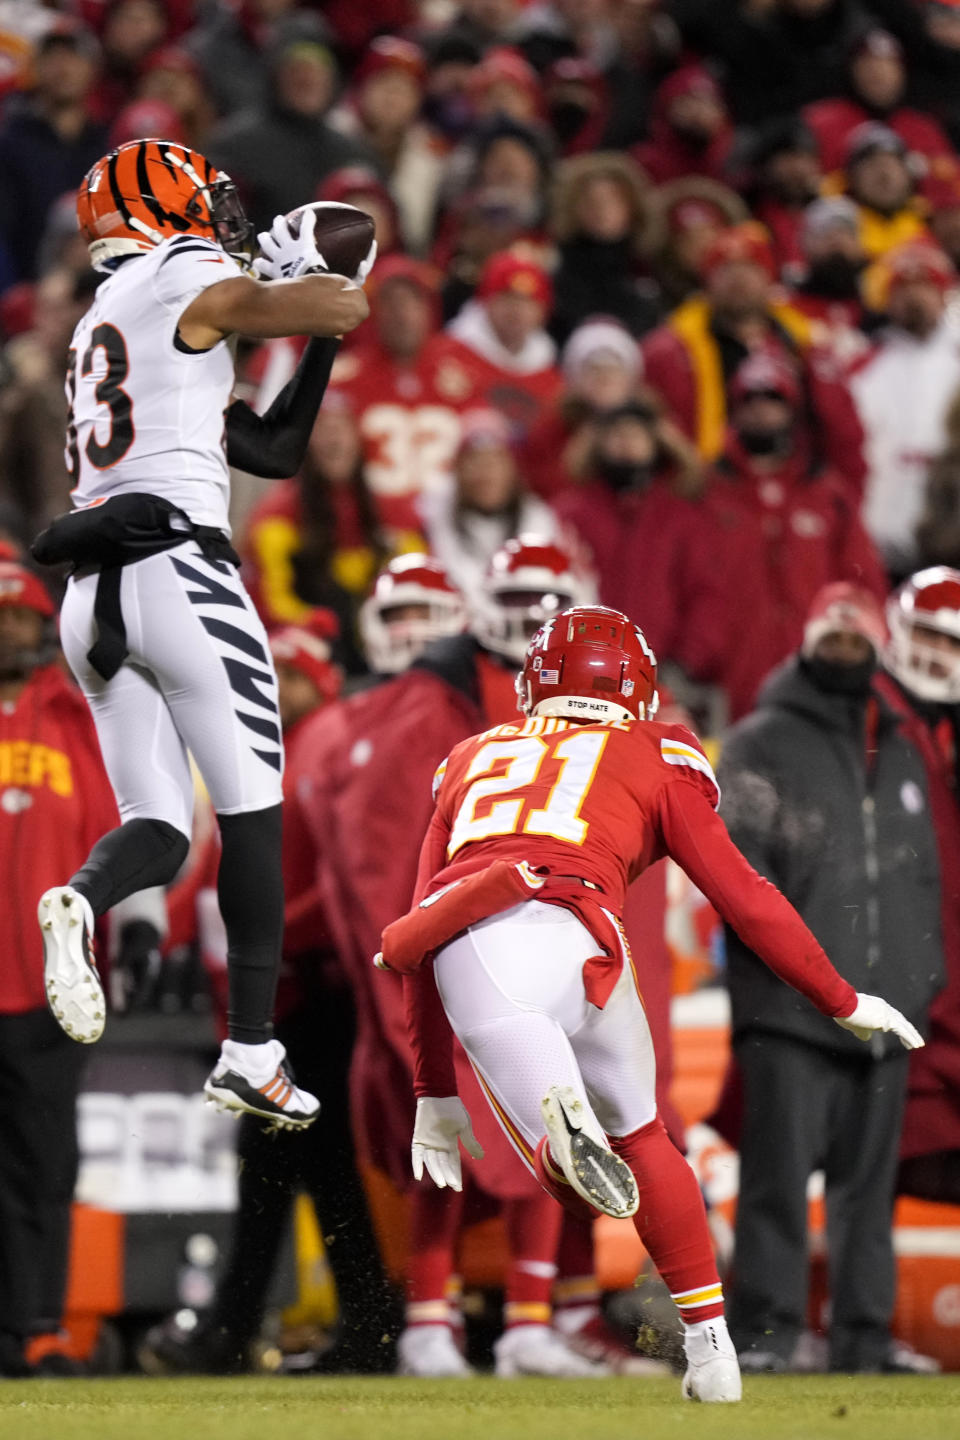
[{"x": 778, "y": 1408}]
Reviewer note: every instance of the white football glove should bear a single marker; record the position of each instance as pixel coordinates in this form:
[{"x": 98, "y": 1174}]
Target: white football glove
[
  {"x": 366, "y": 265},
  {"x": 439, "y": 1125},
  {"x": 873, "y": 1014},
  {"x": 285, "y": 256}
]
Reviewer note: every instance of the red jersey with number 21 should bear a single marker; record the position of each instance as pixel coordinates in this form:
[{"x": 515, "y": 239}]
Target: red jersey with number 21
[{"x": 601, "y": 802}]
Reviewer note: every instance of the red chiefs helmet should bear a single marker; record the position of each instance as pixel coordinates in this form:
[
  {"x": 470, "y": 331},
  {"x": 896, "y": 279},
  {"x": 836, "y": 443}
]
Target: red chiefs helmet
[
  {"x": 589, "y": 663},
  {"x": 920, "y": 614},
  {"x": 528, "y": 580},
  {"x": 413, "y": 602}
]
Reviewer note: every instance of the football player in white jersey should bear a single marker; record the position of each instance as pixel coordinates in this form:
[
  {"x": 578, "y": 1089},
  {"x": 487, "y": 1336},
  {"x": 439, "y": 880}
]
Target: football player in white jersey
[{"x": 156, "y": 625}]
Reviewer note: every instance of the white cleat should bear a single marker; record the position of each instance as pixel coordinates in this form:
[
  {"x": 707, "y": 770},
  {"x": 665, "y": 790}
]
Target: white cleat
[
  {"x": 430, "y": 1353},
  {"x": 541, "y": 1350},
  {"x": 713, "y": 1375},
  {"x": 580, "y": 1148},
  {"x": 255, "y": 1080},
  {"x": 74, "y": 992}
]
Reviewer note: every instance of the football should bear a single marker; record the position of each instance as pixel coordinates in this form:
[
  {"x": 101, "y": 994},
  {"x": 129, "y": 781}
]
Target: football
[{"x": 343, "y": 234}]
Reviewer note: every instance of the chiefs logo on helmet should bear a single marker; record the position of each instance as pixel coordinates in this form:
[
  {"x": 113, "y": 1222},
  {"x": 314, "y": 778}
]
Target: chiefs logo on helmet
[
  {"x": 147, "y": 191},
  {"x": 589, "y": 663}
]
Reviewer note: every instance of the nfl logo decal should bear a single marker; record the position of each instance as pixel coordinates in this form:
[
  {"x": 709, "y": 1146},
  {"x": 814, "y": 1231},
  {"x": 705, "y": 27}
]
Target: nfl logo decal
[
  {"x": 627, "y": 688},
  {"x": 549, "y": 677}
]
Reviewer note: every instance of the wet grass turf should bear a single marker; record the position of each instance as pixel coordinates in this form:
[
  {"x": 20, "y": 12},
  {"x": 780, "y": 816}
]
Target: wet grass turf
[{"x": 774, "y": 1408}]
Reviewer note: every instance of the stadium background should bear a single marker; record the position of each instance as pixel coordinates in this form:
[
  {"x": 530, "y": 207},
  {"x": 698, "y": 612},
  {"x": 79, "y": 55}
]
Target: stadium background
[{"x": 617, "y": 150}]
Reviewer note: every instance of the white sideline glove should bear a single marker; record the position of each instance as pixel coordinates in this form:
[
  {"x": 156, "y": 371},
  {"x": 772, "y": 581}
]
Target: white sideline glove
[
  {"x": 872, "y": 1014},
  {"x": 438, "y": 1127},
  {"x": 285, "y": 257}
]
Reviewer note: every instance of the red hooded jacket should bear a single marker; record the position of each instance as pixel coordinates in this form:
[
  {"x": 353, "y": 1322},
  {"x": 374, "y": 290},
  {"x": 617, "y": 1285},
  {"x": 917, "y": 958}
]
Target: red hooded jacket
[
  {"x": 654, "y": 554},
  {"x": 55, "y": 803},
  {"x": 778, "y": 536}
]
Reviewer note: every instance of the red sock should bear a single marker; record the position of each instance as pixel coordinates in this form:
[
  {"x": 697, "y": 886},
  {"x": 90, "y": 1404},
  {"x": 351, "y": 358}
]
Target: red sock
[
  {"x": 576, "y": 1296},
  {"x": 435, "y": 1217},
  {"x": 556, "y": 1184},
  {"x": 533, "y": 1234},
  {"x": 672, "y": 1222}
]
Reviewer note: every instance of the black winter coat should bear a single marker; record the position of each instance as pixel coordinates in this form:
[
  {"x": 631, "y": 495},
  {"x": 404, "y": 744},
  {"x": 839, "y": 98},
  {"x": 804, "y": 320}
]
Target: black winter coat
[{"x": 850, "y": 844}]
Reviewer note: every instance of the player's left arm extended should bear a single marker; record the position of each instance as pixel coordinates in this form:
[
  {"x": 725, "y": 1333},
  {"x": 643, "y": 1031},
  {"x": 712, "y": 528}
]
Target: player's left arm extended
[
  {"x": 431, "y": 1038},
  {"x": 697, "y": 839},
  {"x": 273, "y": 444}
]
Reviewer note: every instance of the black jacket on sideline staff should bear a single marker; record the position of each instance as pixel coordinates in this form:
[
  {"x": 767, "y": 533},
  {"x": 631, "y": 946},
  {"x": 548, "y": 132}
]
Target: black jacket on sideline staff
[{"x": 849, "y": 842}]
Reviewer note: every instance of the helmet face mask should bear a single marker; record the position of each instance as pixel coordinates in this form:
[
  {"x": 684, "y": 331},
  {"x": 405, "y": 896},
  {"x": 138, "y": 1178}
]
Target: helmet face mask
[
  {"x": 591, "y": 664},
  {"x": 924, "y": 649}
]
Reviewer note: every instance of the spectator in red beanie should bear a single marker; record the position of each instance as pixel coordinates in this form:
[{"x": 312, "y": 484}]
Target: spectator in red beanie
[
  {"x": 786, "y": 525},
  {"x": 504, "y": 85},
  {"x": 172, "y": 75},
  {"x": 143, "y": 118},
  {"x": 692, "y": 358},
  {"x": 690, "y": 129},
  {"x": 877, "y": 83},
  {"x": 501, "y": 333},
  {"x": 578, "y": 104}
]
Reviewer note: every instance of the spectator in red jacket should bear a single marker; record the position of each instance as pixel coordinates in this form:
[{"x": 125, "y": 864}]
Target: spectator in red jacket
[
  {"x": 55, "y": 802},
  {"x": 648, "y": 542},
  {"x": 601, "y": 367},
  {"x": 782, "y": 525},
  {"x": 876, "y": 87},
  {"x": 690, "y": 129},
  {"x": 692, "y": 358},
  {"x": 501, "y": 336}
]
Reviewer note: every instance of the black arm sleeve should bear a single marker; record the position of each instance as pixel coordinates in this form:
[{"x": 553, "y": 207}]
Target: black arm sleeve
[{"x": 273, "y": 444}]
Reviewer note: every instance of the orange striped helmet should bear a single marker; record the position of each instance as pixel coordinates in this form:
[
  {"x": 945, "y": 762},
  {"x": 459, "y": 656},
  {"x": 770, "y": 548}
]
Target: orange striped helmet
[{"x": 149, "y": 190}]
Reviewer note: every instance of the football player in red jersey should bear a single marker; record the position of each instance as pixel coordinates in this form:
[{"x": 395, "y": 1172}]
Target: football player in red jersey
[{"x": 538, "y": 828}]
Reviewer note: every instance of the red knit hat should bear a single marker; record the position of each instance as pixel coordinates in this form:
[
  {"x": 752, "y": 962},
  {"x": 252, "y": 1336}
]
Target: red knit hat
[
  {"x": 747, "y": 243},
  {"x": 509, "y": 274},
  {"x": 19, "y": 586},
  {"x": 306, "y": 648},
  {"x": 919, "y": 260},
  {"x": 765, "y": 373},
  {"x": 389, "y": 52},
  {"x": 845, "y": 608}
]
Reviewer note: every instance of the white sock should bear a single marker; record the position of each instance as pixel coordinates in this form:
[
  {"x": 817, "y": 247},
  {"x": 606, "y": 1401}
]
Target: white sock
[
  {"x": 260, "y": 1059},
  {"x": 707, "y": 1338}
]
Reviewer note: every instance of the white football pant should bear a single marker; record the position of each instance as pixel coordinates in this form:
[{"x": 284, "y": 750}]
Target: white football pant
[
  {"x": 199, "y": 678},
  {"x": 512, "y": 988}
]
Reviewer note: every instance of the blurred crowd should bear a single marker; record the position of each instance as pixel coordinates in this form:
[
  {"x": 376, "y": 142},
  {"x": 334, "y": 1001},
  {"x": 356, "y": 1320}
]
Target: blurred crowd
[
  {"x": 674, "y": 286},
  {"x": 666, "y": 312}
]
